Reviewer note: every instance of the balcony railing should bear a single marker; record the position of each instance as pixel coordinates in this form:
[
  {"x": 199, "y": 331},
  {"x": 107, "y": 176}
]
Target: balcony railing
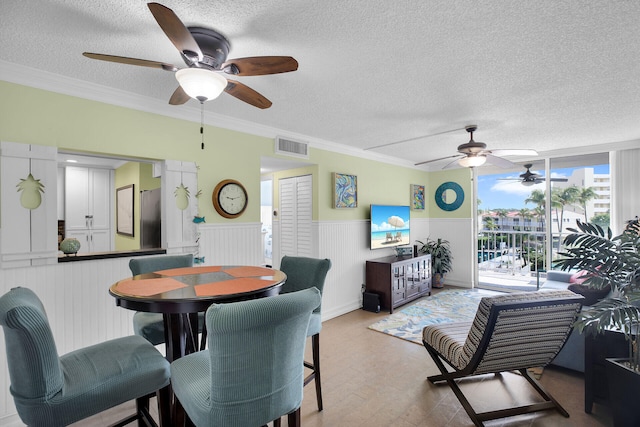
[{"x": 513, "y": 258}]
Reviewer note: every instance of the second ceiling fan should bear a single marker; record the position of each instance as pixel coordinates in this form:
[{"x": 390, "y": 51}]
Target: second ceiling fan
[
  {"x": 205, "y": 51},
  {"x": 475, "y": 153},
  {"x": 529, "y": 178}
]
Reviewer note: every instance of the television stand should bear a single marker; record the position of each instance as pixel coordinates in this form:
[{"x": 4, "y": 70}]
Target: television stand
[{"x": 398, "y": 279}]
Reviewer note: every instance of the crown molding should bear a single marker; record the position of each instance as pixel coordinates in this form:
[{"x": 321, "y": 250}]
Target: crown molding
[{"x": 45, "y": 80}]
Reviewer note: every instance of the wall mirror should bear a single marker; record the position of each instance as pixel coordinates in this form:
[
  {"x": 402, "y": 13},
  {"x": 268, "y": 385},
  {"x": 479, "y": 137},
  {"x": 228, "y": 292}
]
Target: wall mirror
[{"x": 449, "y": 196}]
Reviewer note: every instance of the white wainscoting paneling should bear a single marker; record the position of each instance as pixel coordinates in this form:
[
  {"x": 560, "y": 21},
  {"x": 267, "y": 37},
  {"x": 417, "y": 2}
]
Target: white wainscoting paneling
[
  {"x": 231, "y": 244},
  {"x": 458, "y": 232},
  {"x": 346, "y": 244}
]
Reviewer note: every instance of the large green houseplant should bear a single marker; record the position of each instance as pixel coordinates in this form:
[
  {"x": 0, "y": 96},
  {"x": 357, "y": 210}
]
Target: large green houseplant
[
  {"x": 441, "y": 258},
  {"x": 608, "y": 261}
]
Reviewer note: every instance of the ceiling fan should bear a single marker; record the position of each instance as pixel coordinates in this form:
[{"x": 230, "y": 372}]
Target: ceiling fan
[
  {"x": 475, "y": 153},
  {"x": 205, "y": 51},
  {"x": 529, "y": 178}
]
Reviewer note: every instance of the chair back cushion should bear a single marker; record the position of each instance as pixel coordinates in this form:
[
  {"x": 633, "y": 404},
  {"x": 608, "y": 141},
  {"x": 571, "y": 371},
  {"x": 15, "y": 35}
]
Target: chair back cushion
[
  {"x": 255, "y": 360},
  {"x": 158, "y": 263},
  {"x": 303, "y": 273},
  {"x": 519, "y": 330},
  {"x": 34, "y": 366}
]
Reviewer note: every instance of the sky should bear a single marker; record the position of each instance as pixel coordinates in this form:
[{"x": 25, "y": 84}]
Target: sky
[
  {"x": 497, "y": 194},
  {"x": 380, "y": 216}
]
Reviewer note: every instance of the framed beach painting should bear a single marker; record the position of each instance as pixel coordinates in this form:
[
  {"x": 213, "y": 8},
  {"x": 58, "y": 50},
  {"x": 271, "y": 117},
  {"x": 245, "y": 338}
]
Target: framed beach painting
[
  {"x": 417, "y": 197},
  {"x": 345, "y": 193}
]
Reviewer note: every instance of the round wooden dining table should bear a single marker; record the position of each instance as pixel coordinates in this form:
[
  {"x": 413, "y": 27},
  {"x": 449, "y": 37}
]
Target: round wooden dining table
[{"x": 180, "y": 293}]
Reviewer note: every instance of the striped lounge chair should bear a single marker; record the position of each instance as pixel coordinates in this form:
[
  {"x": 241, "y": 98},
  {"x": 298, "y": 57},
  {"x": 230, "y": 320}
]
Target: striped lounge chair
[{"x": 510, "y": 332}]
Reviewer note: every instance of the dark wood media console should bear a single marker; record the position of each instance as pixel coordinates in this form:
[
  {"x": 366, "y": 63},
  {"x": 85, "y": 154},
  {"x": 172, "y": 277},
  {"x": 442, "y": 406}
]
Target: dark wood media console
[{"x": 398, "y": 280}]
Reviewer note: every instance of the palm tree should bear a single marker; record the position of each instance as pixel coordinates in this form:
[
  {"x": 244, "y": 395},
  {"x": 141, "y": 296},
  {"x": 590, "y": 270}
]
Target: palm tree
[
  {"x": 524, "y": 214},
  {"x": 502, "y": 214},
  {"x": 560, "y": 198},
  {"x": 540, "y": 212},
  {"x": 489, "y": 223},
  {"x": 584, "y": 196},
  {"x": 537, "y": 197}
]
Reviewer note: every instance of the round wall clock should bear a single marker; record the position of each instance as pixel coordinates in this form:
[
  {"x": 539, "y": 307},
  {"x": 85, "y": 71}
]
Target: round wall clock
[
  {"x": 449, "y": 196},
  {"x": 230, "y": 198}
]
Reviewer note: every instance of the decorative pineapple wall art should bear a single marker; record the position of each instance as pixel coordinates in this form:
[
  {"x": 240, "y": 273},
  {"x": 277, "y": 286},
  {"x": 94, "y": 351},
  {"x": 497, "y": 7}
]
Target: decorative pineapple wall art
[
  {"x": 31, "y": 189},
  {"x": 182, "y": 197}
]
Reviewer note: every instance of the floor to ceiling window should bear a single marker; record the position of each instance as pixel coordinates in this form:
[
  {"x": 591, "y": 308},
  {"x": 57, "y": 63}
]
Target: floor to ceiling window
[{"x": 524, "y": 213}]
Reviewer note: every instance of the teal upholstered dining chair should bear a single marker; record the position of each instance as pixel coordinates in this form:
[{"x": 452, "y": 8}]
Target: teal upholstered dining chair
[
  {"x": 151, "y": 325},
  {"x": 303, "y": 273},
  {"x": 51, "y": 390},
  {"x": 252, "y": 371}
]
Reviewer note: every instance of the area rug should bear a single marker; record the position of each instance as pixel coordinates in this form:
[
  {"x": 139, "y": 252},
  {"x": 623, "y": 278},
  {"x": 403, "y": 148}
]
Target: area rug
[{"x": 444, "y": 307}]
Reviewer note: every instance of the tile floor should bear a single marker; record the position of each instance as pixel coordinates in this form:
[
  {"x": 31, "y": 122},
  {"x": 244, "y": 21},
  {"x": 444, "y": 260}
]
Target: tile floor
[{"x": 371, "y": 379}]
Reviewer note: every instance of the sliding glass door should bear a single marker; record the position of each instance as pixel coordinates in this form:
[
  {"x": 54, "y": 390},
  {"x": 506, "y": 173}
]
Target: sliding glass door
[{"x": 524, "y": 213}]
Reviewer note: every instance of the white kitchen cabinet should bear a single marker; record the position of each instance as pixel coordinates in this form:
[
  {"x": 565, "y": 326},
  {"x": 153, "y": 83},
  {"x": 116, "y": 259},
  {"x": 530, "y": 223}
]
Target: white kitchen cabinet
[{"x": 88, "y": 212}]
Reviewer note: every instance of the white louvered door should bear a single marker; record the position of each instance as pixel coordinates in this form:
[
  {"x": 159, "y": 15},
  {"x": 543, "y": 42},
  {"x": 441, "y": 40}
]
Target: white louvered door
[{"x": 296, "y": 210}]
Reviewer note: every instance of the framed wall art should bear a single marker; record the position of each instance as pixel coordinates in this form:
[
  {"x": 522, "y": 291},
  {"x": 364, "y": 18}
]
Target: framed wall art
[
  {"x": 417, "y": 197},
  {"x": 345, "y": 193},
  {"x": 124, "y": 210}
]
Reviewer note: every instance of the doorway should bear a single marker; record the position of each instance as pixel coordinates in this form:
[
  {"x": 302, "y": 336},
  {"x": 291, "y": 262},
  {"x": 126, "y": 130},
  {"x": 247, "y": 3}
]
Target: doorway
[{"x": 296, "y": 210}]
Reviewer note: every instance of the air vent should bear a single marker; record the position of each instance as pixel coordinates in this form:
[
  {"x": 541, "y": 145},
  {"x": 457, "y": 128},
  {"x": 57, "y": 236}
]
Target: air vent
[{"x": 289, "y": 147}]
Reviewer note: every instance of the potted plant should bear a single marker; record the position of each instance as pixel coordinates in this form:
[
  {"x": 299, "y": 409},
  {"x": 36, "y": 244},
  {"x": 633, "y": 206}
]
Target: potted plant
[
  {"x": 611, "y": 261},
  {"x": 441, "y": 257}
]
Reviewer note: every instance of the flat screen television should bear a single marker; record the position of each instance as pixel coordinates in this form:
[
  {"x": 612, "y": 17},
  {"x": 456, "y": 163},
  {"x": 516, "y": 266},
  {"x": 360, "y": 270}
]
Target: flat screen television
[{"x": 390, "y": 226}]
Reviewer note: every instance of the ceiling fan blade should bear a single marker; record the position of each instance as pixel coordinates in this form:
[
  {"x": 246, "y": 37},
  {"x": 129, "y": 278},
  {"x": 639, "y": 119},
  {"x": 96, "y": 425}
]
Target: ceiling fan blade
[
  {"x": 499, "y": 161},
  {"x": 412, "y": 139},
  {"x": 131, "y": 61},
  {"x": 179, "y": 97},
  {"x": 246, "y": 94},
  {"x": 451, "y": 165},
  {"x": 177, "y": 32},
  {"x": 512, "y": 152},
  {"x": 558, "y": 179},
  {"x": 437, "y": 160},
  {"x": 260, "y": 65}
]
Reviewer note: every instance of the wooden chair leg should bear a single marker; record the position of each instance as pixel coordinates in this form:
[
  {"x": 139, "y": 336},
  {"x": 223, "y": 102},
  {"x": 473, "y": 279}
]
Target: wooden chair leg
[
  {"x": 164, "y": 406},
  {"x": 315, "y": 369},
  {"x": 142, "y": 410},
  {"x": 179, "y": 414},
  {"x": 276, "y": 422},
  {"x": 479, "y": 418},
  {"x": 293, "y": 418},
  {"x": 203, "y": 337},
  {"x": 315, "y": 347}
]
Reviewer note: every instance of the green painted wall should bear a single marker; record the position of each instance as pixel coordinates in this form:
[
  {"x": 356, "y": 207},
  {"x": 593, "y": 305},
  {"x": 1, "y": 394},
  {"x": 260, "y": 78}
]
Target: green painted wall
[
  {"x": 141, "y": 176},
  {"x": 35, "y": 116},
  {"x": 128, "y": 174},
  {"x": 463, "y": 177},
  {"x": 147, "y": 180}
]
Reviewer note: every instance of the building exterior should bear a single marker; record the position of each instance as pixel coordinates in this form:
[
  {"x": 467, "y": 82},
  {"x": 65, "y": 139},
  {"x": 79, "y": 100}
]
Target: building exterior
[{"x": 601, "y": 184}]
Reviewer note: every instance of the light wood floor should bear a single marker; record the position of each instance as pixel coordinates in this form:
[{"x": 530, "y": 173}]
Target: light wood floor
[{"x": 371, "y": 379}]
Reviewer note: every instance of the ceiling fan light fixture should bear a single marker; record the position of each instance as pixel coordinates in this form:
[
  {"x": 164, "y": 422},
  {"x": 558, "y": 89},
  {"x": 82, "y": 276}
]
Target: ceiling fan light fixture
[
  {"x": 201, "y": 84},
  {"x": 528, "y": 183},
  {"x": 472, "y": 161}
]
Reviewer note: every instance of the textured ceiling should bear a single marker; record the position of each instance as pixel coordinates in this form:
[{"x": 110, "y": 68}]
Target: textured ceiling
[{"x": 544, "y": 74}]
